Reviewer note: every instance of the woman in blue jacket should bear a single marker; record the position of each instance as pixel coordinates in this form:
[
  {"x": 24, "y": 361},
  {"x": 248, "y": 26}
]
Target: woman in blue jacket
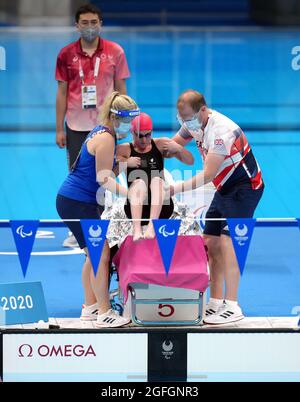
[{"x": 91, "y": 174}]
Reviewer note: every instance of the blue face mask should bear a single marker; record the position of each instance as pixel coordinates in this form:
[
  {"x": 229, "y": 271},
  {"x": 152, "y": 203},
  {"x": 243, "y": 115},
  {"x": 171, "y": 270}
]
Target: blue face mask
[
  {"x": 193, "y": 125},
  {"x": 123, "y": 130}
]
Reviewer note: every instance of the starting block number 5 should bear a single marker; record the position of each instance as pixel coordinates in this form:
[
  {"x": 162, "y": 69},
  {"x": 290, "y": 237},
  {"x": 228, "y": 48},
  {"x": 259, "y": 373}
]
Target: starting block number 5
[
  {"x": 16, "y": 302},
  {"x": 167, "y": 310}
]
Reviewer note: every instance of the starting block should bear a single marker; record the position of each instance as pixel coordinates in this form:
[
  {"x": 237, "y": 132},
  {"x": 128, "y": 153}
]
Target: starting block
[
  {"x": 161, "y": 305},
  {"x": 153, "y": 298}
]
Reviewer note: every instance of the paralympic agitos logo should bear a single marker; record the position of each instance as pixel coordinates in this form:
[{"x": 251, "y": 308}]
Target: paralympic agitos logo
[{"x": 52, "y": 351}]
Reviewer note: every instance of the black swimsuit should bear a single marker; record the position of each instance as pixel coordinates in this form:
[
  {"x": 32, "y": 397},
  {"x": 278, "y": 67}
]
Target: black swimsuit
[{"x": 152, "y": 165}]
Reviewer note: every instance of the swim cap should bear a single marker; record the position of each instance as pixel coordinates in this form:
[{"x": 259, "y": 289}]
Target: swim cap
[{"x": 143, "y": 122}]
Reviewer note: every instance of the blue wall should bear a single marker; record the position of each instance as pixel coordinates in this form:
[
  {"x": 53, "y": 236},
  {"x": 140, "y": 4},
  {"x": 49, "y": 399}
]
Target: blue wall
[{"x": 175, "y": 12}]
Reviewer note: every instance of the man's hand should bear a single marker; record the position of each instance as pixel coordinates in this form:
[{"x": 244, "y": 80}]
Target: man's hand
[
  {"x": 61, "y": 139},
  {"x": 171, "y": 148},
  {"x": 176, "y": 188}
]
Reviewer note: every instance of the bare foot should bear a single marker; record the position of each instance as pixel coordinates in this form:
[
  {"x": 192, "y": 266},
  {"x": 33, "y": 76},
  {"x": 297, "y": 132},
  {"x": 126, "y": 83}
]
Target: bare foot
[
  {"x": 137, "y": 235},
  {"x": 150, "y": 232}
]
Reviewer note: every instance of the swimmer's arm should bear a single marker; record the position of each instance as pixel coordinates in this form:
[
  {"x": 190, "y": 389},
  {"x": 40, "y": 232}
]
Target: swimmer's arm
[
  {"x": 125, "y": 160},
  {"x": 104, "y": 155},
  {"x": 212, "y": 165},
  {"x": 170, "y": 149},
  {"x": 122, "y": 155}
]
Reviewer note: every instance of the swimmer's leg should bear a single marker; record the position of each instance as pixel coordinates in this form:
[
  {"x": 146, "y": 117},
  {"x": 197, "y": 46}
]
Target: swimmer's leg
[
  {"x": 157, "y": 188},
  {"x": 137, "y": 194}
]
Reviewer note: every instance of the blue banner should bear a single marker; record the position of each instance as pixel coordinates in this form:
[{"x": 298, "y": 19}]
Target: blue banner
[
  {"x": 241, "y": 230},
  {"x": 22, "y": 303},
  {"x": 298, "y": 220},
  {"x": 24, "y": 234},
  {"x": 166, "y": 232},
  {"x": 94, "y": 231}
]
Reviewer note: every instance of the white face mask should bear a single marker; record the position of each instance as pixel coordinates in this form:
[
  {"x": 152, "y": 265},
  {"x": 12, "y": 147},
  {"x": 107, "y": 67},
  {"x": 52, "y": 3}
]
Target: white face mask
[
  {"x": 193, "y": 125},
  {"x": 123, "y": 130}
]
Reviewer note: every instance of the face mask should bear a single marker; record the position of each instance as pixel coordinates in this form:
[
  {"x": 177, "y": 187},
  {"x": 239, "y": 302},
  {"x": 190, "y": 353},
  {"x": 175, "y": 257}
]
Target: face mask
[
  {"x": 89, "y": 34},
  {"x": 123, "y": 130},
  {"x": 193, "y": 125}
]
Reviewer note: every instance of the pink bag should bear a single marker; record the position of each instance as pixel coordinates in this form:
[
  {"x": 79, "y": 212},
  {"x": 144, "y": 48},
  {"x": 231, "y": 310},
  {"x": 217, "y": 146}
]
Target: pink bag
[{"x": 141, "y": 262}]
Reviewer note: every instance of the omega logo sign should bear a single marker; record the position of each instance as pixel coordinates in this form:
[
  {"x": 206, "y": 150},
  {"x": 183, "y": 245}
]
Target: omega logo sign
[{"x": 53, "y": 351}]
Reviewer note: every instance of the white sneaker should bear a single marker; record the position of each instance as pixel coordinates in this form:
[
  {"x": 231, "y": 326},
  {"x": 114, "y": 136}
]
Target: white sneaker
[
  {"x": 70, "y": 241},
  {"x": 213, "y": 306},
  {"x": 111, "y": 319},
  {"x": 89, "y": 313},
  {"x": 227, "y": 313}
]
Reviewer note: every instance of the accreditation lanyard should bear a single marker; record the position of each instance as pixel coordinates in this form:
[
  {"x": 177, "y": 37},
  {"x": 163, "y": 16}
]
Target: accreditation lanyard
[
  {"x": 96, "y": 70},
  {"x": 89, "y": 92}
]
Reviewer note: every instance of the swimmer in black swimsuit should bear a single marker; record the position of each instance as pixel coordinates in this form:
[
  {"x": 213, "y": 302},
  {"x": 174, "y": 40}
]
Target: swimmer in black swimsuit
[{"x": 147, "y": 198}]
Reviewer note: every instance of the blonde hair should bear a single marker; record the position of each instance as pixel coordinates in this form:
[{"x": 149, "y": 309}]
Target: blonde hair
[{"x": 115, "y": 101}]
